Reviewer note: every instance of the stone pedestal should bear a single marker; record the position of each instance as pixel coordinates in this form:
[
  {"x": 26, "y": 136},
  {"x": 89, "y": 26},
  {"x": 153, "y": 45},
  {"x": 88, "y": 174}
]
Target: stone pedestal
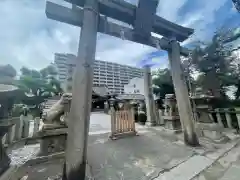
[
  {"x": 4, "y": 159},
  {"x": 170, "y": 116},
  {"x": 53, "y": 140}
]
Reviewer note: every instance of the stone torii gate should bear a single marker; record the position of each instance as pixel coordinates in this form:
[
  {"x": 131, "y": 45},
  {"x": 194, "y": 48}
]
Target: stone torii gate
[{"x": 92, "y": 15}]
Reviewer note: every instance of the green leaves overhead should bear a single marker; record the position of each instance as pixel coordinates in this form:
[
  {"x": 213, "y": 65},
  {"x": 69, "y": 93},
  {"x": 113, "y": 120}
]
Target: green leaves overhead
[
  {"x": 38, "y": 85},
  {"x": 162, "y": 82},
  {"x": 216, "y": 62}
]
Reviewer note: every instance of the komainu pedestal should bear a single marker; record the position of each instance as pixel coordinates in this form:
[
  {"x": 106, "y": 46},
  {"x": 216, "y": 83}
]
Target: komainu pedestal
[
  {"x": 54, "y": 132},
  {"x": 171, "y": 117},
  {"x": 53, "y": 140}
]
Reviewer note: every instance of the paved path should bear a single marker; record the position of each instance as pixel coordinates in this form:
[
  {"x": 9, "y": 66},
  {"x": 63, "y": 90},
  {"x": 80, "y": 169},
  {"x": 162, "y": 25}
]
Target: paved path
[
  {"x": 99, "y": 123},
  {"x": 142, "y": 157},
  {"x": 225, "y": 168}
]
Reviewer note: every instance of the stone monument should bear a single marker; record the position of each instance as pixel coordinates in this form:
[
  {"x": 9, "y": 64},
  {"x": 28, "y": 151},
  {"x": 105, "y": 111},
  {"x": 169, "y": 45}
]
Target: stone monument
[{"x": 54, "y": 130}]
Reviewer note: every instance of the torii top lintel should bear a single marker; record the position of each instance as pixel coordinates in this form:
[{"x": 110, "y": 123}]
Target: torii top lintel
[{"x": 129, "y": 13}]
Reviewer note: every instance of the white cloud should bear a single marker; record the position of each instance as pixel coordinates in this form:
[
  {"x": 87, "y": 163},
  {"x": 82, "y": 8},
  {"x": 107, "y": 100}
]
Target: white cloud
[
  {"x": 201, "y": 18},
  {"x": 169, "y": 9},
  {"x": 28, "y": 38}
]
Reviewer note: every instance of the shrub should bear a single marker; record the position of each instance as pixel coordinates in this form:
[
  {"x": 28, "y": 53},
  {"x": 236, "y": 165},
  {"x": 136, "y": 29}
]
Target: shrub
[{"x": 142, "y": 118}]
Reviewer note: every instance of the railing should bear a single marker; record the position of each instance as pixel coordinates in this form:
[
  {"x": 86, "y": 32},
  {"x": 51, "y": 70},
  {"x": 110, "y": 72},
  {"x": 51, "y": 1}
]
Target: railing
[
  {"x": 20, "y": 128},
  {"x": 122, "y": 123},
  {"x": 226, "y": 118}
]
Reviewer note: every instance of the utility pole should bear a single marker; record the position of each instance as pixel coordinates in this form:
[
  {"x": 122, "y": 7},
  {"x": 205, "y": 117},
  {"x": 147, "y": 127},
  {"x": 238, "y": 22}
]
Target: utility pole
[{"x": 78, "y": 128}]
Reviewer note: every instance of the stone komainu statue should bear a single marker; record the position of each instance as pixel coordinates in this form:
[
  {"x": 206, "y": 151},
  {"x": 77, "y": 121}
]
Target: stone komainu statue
[{"x": 57, "y": 114}]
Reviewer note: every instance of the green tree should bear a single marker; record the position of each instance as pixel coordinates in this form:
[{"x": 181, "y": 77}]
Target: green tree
[
  {"x": 236, "y": 4},
  {"x": 237, "y": 80},
  {"x": 162, "y": 81},
  {"x": 215, "y": 62},
  {"x": 38, "y": 85},
  {"x": 8, "y": 70},
  {"x": 48, "y": 71},
  {"x": 7, "y": 74}
]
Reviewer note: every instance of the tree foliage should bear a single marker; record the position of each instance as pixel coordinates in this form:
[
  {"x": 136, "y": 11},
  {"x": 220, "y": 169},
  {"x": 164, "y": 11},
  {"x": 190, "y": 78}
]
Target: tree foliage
[
  {"x": 38, "y": 85},
  {"x": 162, "y": 82},
  {"x": 35, "y": 85},
  {"x": 8, "y": 70},
  {"x": 7, "y": 74},
  {"x": 236, "y": 3},
  {"x": 215, "y": 62}
]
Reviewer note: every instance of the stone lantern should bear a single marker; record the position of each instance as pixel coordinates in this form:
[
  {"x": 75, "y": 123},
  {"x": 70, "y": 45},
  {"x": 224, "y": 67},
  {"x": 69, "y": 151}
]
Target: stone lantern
[
  {"x": 203, "y": 103},
  {"x": 170, "y": 116},
  {"x": 112, "y": 102},
  {"x": 7, "y": 92}
]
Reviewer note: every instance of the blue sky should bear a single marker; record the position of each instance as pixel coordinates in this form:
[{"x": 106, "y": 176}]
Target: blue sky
[{"x": 29, "y": 39}]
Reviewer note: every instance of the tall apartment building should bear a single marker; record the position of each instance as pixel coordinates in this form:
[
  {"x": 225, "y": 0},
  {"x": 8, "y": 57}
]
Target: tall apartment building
[
  {"x": 109, "y": 74},
  {"x": 61, "y": 62}
]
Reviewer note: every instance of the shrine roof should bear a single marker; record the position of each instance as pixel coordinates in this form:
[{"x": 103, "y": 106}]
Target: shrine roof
[
  {"x": 7, "y": 88},
  {"x": 100, "y": 90},
  {"x": 130, "y": 97}
]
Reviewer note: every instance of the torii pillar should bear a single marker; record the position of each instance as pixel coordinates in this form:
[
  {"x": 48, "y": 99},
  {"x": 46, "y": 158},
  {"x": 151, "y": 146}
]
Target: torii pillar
[
  {"x": 76, "y": 152},
  {"x": 148, "y": 93},
  {"x": 181, "y": 91}
]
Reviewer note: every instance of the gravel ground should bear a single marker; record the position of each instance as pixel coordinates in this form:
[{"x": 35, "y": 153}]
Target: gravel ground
[{"x": 21, "y": 155}]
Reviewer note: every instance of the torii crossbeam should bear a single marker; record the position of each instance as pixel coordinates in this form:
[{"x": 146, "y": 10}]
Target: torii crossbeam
[{"x": 75, "y": 18}]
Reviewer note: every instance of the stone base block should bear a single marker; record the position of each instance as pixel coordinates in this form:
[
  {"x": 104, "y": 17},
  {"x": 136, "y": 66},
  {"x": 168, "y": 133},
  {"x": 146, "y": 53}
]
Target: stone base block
[
  {"x": 122, "y": 135},
  {"x": 53, "y": 141},
  {"x": 212, "y": 131},
  {"x": 173, "y": 124}
]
